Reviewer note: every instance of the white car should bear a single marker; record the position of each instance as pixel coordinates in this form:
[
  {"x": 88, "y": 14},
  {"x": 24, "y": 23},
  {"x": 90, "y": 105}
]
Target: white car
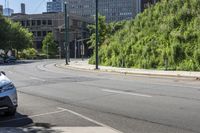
[{"x": 8, "y": 96}]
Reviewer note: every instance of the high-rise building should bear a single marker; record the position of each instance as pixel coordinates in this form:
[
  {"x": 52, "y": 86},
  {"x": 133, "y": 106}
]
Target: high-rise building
[
  {"x": 114, "y": 10},
  {"x": 8, "y": 11},
  {"x": 1, "y": 9},
  {"x": 23, "y": 8},
  {"x": 55, "y": 6}
]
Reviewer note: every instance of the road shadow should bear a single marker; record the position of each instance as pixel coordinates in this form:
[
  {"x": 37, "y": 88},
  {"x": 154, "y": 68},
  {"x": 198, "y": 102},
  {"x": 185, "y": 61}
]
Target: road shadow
[
  {"x": 19, "y": 62},
  {"x": 18, "y": 120},
  {"x": 23, "y": 124}
]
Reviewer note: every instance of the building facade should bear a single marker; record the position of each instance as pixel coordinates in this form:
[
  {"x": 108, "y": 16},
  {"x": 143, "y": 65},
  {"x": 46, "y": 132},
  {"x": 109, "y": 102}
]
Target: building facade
[
  {"x": 55, "y": 6},
  {"x": 8, "y": 11},
  {"x": 1, "y": 9},
  {"x": 23, "y": 8},
  {"x": 42, "y": 24},
  {"x": 114, "y": 10}
]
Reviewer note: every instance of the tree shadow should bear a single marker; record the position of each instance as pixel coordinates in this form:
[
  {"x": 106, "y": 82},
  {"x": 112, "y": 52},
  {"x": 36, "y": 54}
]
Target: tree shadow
[
  {"x": 23, "y": 124},
  {"x": 19, "y": 62},
  {"x": 18, "y": 120}
]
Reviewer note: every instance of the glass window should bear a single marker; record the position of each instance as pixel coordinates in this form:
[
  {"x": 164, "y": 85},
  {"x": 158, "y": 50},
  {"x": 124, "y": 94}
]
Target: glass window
[
  {"x": 44, "y": 22},
  {"x": 49, "y": 22},
  {"x": 44, "y": 33},
  {"x": 33, "y": 22},
  {"x": 39, "y": 33},
  {"x": 28, "y": 23},
  {"x": 38, "y": 22}
]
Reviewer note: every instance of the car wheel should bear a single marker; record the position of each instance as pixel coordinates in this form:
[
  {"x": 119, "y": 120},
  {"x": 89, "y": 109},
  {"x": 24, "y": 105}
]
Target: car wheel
[{"x": 10, "y": 112}]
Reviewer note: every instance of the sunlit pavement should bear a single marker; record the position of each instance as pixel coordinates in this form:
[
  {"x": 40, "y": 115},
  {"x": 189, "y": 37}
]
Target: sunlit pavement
[{"x": 68, "y": 100}]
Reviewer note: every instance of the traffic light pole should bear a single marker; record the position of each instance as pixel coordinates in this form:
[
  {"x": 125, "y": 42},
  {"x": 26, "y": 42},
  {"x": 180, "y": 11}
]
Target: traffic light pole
[
  {"x": 97, "y": 35},
  {"x": 66, "y": 34}
]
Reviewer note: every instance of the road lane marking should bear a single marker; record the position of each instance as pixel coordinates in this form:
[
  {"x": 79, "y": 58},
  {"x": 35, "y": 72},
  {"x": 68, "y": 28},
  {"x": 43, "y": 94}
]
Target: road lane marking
[
  {"x": 60, "y": 110},
  {"x": 57, "y": 129},
  {"x": 127, "y": 93},
  {"x": 84, "y": 129},
  {"x": 89, "y": 119},
  {"x": 37, "y": 79},
  {"x": 32, "y": 116}
]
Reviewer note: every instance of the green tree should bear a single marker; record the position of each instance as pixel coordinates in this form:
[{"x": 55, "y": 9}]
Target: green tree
[
  {"x": 49, "y": 46},
  {"x": 13, "y": 35}
]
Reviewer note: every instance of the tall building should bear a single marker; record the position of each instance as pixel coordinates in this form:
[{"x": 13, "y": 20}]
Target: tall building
[
  {"x": 114, "y": 10},
  {"x": 23, "y": 8},
  {"x": 1, "y": 9},
  {"x": 55, "y": 6},
  {"x": 8, "y": 11}
]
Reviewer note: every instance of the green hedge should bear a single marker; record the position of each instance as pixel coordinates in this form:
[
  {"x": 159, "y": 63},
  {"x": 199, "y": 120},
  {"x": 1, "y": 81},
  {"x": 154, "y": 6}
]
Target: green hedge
[{"x": 164, "y": 35}]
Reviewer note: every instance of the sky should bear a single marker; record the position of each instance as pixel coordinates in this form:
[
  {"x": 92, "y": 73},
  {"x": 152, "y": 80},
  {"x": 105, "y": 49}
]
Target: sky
[{"x": 32, "y": 6}]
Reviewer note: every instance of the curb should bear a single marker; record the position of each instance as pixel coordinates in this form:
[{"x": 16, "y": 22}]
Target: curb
[{"x": 131, "y": 73}]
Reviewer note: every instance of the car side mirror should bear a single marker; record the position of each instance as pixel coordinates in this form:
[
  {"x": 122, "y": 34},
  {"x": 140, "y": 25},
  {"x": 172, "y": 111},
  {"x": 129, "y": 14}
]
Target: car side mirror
[{"x": 3, "y": 72}]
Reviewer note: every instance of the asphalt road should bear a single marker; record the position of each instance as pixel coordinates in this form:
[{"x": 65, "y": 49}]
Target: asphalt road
[{"x": 53, "y": 99}]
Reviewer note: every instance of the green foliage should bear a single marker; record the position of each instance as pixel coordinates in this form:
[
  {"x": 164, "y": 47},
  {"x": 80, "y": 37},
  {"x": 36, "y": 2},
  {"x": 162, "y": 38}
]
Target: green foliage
[
  {"x": 49, "y": 46},
  {"x": 105, "y": 32},
  {"x": 29, "y": 53},
  {"x": 166, "y": 34},
  {"x": 13, "y": 35}
]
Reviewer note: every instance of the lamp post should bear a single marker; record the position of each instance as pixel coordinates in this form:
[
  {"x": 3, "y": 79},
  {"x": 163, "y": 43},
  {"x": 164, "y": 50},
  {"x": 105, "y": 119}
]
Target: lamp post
[
  {"x": 97, "y": 35},
  {"x": 66, "y": 33},
  {"x": 47, "y": 51}
]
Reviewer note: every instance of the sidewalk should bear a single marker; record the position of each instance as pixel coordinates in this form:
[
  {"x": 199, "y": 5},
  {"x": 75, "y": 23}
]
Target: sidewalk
[{"x": 83, "y": 65}]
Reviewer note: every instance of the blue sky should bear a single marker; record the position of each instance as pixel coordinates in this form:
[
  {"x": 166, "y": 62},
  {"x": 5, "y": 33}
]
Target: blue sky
[{"x": 32, "y": 6}]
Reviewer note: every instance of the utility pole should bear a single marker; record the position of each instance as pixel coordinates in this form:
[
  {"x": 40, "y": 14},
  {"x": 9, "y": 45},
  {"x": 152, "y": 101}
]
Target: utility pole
[
  {"x": 97, "y": 35},
  {"x": 47, "y": 51},
  {"x": 75, "y": 48},
  {"x": 66, "y": 34}
]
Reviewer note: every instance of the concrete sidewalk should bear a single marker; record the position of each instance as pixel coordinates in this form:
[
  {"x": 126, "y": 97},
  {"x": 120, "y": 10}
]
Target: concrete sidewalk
[{"x": 83, "y": 65}]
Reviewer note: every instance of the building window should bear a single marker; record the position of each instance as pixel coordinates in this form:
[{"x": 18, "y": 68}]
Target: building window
[
  {"x": 38, "y": 22},
  {"x": 44, "y": 33},
  {"x": 49, "y": 22},
  {"x": 28, "y": 23},
  {"x": 34, "y": 33},
  {"x": 39, "y": 34},
  {"x": 44, "y": 22},
  {"x": 23, "y": 23},
  {"x": 33, "y": 22}
]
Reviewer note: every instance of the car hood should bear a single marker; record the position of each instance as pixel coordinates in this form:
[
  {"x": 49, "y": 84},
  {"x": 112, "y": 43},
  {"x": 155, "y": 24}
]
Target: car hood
[{"x": 4, "y": 80}]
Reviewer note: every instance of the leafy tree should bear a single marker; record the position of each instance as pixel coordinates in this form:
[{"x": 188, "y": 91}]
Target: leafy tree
[
  {"x": 105, "y": 31},
  {"x": 13, "y": 35},
  {"x": 49, "y": 46}
]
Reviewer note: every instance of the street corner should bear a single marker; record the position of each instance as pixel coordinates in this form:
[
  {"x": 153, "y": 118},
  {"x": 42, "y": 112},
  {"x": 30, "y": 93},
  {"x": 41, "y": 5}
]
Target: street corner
[{"x": 45, "y": 116}]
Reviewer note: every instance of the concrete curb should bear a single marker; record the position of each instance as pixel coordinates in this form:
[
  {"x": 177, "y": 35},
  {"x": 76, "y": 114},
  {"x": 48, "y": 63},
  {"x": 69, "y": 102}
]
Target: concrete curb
[{"x": 177, "y": 74}]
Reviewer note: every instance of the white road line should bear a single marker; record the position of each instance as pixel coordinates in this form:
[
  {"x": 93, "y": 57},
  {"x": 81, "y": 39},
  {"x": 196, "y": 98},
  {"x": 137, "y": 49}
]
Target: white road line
[
  {"x": 127, "y": 93},
  {"x": 89, "y": 119},
  {"x": 37, "y": 79},
  {"x": 32, "y": 116},
  {"x": 60, "y": 110}
]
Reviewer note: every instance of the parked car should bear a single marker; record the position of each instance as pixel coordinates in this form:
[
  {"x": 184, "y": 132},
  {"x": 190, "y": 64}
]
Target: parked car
[
  {"x": 8, "y": 96},
  {"x": 10, "y": 59}
]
